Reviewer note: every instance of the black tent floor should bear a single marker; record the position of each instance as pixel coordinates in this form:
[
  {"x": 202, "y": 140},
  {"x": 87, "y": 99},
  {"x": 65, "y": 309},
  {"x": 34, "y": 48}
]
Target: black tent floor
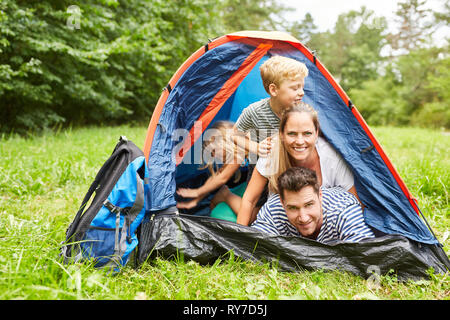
[{"x": 205, "y": 239}]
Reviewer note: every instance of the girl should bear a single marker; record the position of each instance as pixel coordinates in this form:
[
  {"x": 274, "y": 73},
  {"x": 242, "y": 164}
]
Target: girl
[{"x": 218, "y": 149}]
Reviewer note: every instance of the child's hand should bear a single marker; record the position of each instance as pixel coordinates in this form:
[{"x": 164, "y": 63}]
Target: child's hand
[
  {"x": 187, "y": 193},
  {"x": 264, "y": 147},
  {"x": 187, "y": 205}
]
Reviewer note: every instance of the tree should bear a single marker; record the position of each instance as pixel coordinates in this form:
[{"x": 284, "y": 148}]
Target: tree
[
  {"x": 414, "y": 91},
  {"x": 409, "y": 87},
  {"x": 304, "y": 30},
  {"x": 415, "y": 26},
  {"x": 443, "y": 18},
  {"x": 352, "y": 50},
  {"x": 238, "y": 15},
  {"x": 105, "y": 62},
  {"x": 426, "y": 86},
  {"x": 379, "y": 100}
]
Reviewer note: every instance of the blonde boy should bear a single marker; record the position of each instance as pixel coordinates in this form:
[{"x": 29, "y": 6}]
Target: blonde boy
[{"x": 283, "y": 79}]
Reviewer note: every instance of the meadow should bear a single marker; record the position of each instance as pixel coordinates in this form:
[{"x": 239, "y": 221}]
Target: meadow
[{"x": 44, "y": 178}]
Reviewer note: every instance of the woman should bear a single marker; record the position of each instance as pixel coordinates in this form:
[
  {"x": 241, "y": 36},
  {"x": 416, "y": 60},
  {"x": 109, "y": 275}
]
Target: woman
[{"x": 298, "y": 144}]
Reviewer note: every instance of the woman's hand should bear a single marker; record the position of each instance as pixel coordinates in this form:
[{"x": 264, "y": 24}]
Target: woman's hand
[{"x": 255, "y": 187}]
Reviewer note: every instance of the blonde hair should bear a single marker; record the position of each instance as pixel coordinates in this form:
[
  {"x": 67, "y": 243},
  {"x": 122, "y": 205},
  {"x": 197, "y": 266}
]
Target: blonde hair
[
  {"x": 220, "y": 138},
  {"x": 278, "y": 68},
  {"x": 280, "y": 159}
]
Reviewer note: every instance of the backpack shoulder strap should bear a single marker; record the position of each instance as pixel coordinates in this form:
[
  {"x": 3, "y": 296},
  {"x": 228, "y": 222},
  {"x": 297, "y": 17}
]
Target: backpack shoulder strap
[{"x": 101, "y": 173}]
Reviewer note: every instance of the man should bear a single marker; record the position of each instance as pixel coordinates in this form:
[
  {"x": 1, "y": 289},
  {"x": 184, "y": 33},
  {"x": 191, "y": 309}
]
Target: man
[{"x": 302, "y": 208}]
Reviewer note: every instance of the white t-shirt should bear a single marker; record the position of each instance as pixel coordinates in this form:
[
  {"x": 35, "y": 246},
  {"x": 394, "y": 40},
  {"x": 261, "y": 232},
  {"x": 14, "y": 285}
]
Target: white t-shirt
[{"x": 335, "y": 171}]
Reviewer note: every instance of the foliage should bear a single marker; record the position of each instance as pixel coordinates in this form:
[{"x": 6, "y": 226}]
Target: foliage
[
  {"x": 41, "y": 190},
  {"x": 415, "y": 27},
  {"x": 379, "y": 101},
  {"x": 106, "y": 62},
  {"x": 238, "y": 15},
  {"x": 304, "y": 29},
  {"x": 352, "y": 51},
  {"x": 394, "y": 78},
  {"x": 99, "y": 61},
  {"x": 414, "y": 90}
]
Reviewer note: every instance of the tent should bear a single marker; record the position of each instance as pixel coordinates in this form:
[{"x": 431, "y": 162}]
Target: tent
[{"x": 215, "y": 83}]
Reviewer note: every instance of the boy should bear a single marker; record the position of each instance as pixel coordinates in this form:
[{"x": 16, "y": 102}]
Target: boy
[{"x": 283, "y": 79}]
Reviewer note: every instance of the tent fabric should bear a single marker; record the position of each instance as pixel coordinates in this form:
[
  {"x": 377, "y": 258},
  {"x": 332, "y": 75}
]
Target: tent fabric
[
  {"x": 188, "y": 99},
  {"x": 195, "y": 87},
  {"x": 205, "y": 239},
  {"x": 222, "y": 96}
]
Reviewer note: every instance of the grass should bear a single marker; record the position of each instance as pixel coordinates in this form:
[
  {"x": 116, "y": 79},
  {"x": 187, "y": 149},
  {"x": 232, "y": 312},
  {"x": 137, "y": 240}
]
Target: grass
[
  {"x": 43, "y": 180},
  {"x": 421, "y": 156}
]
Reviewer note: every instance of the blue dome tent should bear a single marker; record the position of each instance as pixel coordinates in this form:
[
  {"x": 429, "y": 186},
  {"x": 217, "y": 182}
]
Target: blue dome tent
[{"x": 216, "y": 83}]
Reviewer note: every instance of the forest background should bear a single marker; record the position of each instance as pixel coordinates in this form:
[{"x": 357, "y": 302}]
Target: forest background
[{"x": 105, "y": 62}]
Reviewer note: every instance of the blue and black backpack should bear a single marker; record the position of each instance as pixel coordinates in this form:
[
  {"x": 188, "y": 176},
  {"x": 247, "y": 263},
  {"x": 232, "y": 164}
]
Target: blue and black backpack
[{"x": 105, "y": 231}]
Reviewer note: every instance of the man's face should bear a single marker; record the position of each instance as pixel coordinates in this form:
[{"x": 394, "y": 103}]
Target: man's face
[{"x": 304, "y": 210}]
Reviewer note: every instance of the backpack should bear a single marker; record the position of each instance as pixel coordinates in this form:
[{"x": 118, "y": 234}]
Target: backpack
[{"x": 106, "y": 230}]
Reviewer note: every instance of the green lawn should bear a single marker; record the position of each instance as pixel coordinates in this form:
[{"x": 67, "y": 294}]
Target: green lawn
[{"x": 43, "y": 180}]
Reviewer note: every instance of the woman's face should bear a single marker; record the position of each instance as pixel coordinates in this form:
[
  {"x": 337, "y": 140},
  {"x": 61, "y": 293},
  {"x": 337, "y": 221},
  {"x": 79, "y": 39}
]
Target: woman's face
[{"x": 299, "y": 136}]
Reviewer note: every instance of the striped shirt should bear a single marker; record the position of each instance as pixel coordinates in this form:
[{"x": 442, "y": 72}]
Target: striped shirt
[
  {"x": 258, "y": 119},
  {"x": 343, "y": 219}
]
